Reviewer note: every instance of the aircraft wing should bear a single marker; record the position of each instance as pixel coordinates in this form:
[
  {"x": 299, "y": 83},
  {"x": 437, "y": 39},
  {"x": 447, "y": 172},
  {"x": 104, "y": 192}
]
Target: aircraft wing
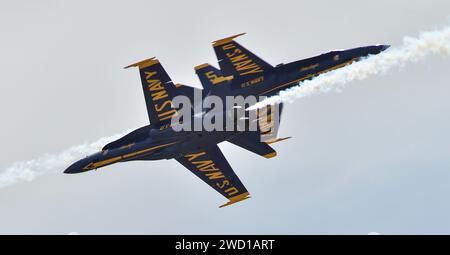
[
  {"x": 158, "y": 91},
  {"x": 211, "y": 166}
]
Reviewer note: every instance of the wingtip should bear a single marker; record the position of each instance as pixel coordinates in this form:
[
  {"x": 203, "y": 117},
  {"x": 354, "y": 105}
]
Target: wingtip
[
  {"x": 277, "y": 140},
  {"x": 226, "y": 40},
  {"x": 270, "y": 155},
  {"x": 144, "y": 63},
  {"x": 236, "y": 199}
]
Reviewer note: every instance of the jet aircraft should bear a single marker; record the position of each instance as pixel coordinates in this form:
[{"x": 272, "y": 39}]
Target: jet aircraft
[{"x": 241, "y": 73}]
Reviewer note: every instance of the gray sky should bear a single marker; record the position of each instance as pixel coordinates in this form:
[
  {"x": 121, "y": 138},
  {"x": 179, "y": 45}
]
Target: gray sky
[{"x": 373, "y": 158}]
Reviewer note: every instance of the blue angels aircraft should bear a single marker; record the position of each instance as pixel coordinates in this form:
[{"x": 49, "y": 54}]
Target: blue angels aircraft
[{"x": 241, "y": 73}]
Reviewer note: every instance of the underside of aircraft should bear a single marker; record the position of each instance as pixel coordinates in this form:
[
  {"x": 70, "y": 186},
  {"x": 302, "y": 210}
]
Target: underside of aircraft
[{"x": 241, "y": 73}]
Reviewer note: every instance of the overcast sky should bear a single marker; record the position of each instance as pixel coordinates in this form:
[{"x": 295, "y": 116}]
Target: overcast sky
[{"x": 374, "y": 158}]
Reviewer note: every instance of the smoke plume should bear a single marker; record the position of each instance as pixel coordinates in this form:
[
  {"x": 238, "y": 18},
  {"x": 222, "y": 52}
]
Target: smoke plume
[
  {"x": 28, "y": 170},
  {"x": 413, "y": 50}
]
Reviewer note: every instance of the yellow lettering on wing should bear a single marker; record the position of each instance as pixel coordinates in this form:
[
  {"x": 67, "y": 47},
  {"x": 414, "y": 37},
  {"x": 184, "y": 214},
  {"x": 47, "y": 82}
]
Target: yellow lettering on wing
[
  {"x": 209, "y": 168},
  {"x": 202, "y": 165},
  {"x": 215, "y": 175},
  {"x": 191, "y": 157},
  {"x": 206, "y": 166},
  {"x": 231, "y": 191},
  {"x": 223, "y": 184}
]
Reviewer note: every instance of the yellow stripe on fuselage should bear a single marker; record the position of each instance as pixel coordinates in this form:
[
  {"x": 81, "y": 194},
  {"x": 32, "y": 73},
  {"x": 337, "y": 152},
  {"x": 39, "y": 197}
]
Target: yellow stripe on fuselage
[
  {"x": 147, "y": 150},
  {"x": 129, "y": 155}
]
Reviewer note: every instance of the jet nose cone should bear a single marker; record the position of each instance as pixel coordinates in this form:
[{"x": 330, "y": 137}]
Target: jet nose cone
[
  {"x": 70, "y": 170},
  {"x": 76, "y": 167},
  {"x": 384, "y": 47}
]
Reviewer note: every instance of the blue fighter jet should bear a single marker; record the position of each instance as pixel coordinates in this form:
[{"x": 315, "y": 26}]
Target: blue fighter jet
[{"x": 241, "y": 73}]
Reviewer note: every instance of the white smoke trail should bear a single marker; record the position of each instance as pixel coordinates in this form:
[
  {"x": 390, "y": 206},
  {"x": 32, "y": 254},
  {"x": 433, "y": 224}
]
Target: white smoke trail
[
  {"x": 28, "y": 170},
  {"x": 412, "y": 50}
]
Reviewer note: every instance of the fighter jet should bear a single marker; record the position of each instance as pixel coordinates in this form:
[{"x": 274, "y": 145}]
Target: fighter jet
[{"x": 241, "y": 73}]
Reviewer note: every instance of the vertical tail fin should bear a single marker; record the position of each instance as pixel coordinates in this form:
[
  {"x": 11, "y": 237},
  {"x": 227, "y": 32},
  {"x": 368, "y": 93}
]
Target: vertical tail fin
[
  {"x": 159, "y": 91},
  {"x": 236, "y": 60}
]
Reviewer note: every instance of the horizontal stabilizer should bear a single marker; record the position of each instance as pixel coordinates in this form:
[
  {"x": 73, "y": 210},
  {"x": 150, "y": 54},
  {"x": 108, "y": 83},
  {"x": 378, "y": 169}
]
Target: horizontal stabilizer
[{"x": 251, "y": 141}]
